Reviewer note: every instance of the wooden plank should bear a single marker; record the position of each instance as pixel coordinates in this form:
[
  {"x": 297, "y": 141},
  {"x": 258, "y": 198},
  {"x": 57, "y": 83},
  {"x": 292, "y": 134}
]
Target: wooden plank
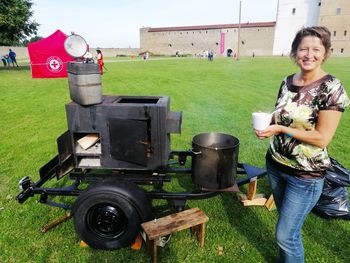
[
  {"x": 252, "y": 190},
  {"x": 56, "y": 222},
  {"x": 154, "y": 253},
  {"x": 255, "y": 201},
  {"x": 243, "y": 197},
  {"x": 88, "y": 140},
  {"x": 202, "y": 234},
  {"x": 137, "y": 243},
  {"x": 270, "y": 203},
  {"x": 83, "y": 244},
  {"x": 173, "y": 223}
]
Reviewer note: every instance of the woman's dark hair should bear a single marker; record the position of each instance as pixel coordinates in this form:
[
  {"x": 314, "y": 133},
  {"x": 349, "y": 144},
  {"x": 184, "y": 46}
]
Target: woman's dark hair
[
  {"x": 316, "y": 31},
  {"x": 98, "y": 51}
]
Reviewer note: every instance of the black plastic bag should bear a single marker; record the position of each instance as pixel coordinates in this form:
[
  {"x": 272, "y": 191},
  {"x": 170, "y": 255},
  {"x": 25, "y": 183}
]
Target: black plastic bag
[
  {"x": 334, "y": 200},
  {"x": 338, "y": 174}
]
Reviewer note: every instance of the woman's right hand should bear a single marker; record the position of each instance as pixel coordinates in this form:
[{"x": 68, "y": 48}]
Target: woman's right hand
[{"x": 269, "y": 131}]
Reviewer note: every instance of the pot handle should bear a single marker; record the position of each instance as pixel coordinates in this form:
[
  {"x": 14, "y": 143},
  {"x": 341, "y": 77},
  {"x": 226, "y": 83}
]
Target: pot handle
[{"x": 195, "y": 153}]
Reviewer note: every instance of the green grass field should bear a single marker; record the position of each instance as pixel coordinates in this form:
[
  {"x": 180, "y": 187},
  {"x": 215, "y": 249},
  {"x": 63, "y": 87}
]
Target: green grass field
[{"x": 218, "y": 96}]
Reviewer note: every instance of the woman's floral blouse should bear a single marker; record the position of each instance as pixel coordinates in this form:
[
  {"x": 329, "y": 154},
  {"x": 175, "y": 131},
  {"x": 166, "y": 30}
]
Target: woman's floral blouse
[{"x": 298, "y": 107}]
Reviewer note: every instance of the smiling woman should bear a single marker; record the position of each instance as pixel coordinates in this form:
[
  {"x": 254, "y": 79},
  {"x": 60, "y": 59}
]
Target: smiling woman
[{"x": 308, "y": 110}]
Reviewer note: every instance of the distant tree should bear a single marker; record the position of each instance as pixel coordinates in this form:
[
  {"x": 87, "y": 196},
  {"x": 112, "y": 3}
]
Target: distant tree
[
  {"x": 33, "y": 39},
  {"x": 15, "y": 23}
]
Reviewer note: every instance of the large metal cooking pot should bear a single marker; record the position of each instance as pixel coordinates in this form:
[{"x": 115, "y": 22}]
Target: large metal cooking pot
[{"x": 214, "y": 160}]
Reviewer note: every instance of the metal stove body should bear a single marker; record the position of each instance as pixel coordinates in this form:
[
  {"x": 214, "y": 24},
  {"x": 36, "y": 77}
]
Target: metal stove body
[{"x": 133, "y": 133}]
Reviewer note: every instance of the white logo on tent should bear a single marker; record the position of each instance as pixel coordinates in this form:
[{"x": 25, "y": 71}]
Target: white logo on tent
[{"x": 54, "y": 64}]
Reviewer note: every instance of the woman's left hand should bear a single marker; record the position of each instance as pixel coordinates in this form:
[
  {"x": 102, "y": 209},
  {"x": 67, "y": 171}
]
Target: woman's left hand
[{"x": 268, "y": 132}]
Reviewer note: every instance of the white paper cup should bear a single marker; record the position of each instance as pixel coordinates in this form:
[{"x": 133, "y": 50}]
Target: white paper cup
[{"x": 261, "y": 120}]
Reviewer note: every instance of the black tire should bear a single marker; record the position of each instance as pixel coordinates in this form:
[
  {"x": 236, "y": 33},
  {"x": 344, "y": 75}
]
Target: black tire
[{"x": 105, "y": 216}]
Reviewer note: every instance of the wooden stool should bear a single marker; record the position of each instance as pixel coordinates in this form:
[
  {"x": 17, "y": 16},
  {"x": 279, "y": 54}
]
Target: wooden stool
[{"x": 192, "y": 218}]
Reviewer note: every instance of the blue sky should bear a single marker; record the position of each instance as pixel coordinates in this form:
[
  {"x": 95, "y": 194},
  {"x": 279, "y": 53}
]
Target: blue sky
[{"x": 108, "y": 23}]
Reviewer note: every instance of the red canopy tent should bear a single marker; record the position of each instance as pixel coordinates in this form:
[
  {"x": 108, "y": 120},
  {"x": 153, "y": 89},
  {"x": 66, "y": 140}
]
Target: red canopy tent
[{"x": 48, "y": 59}]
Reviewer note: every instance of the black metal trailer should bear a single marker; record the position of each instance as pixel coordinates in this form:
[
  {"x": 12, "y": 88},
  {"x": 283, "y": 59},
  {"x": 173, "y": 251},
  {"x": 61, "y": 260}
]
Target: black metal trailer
[
  {"x": 108, "y": 211},
  {"x": 130, "y": 148}
]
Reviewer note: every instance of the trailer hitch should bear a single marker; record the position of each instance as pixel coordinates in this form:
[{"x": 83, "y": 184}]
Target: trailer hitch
[
  {"x": 25, "y": 183},
  {"x": 24, "y": 195}
]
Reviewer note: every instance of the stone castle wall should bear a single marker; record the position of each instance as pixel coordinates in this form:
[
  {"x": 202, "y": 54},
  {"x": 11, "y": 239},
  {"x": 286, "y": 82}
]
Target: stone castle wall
[{"x": 197, "y": 40}]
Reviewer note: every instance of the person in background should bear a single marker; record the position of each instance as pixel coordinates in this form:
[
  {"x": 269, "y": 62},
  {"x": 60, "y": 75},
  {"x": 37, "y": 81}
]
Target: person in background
[
  {"x": 4, "y": 60},
  {"x": 308, "y": 110},
  {"x": 9, "y": 61},
  {"x": 88, "y": 58},
  {"x": 145, "y": 55},
  {"x": 211, "y": 55},
  {"x": 100, "y": 60},
  {"x": 12, "y": 56}
]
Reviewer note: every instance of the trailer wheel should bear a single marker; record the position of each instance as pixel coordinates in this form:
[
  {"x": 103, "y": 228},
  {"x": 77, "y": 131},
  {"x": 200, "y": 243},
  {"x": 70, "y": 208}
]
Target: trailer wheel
[{"x": 106, "y": 218}]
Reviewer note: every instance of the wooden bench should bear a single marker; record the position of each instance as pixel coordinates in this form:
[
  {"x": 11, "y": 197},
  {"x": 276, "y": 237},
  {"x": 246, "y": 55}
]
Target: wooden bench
[{"x": 192, "y": 218}]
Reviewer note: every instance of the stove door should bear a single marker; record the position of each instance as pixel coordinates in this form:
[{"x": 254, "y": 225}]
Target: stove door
[
  {"x": 129, "y": 140},
  {"x": 65, "y": 154}
]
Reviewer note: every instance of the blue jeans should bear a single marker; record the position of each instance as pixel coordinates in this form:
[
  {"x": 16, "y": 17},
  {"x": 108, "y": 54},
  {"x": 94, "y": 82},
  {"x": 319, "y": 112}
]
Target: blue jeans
[{"x": 294, "y": 197}]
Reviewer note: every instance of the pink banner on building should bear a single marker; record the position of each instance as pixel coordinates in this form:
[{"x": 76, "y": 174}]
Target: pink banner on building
[{"x": 222, "y": 43}]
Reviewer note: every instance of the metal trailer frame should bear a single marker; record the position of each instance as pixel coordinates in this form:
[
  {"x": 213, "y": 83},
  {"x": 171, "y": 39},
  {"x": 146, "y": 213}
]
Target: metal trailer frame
[
  {"x": 48, "y": 172},
  {"x": 108, "y": 213}
]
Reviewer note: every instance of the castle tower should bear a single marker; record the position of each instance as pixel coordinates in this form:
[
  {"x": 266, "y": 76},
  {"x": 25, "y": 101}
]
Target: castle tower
[
  {"x": 291, "y": 16},
  {"x": 335, "y": 14}
]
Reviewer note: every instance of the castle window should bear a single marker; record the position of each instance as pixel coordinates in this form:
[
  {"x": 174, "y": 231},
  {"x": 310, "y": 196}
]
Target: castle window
[
  {"x": 334, "y": 33},
  {"x": 293, "y": 11},
  {"x": 169, "y": 45},
  {"x": 217, "y": 43},
  {"x": 187, "y": 33},
  {"x": 206, "y": 32},
  {"x": 192, "y": 44},
  {"x": 338, "y": 11},
  {"x": 342, "y": 50},
  {"x": 332, "y": 50},
  {"x": 227, "y": 30},
  {"x": 345, "y": 32},
  {"x": 319, "y": 3}
]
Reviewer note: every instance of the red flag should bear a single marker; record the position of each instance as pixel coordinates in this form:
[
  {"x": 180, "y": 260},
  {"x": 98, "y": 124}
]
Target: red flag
[{"x": 48, "y": 58}]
